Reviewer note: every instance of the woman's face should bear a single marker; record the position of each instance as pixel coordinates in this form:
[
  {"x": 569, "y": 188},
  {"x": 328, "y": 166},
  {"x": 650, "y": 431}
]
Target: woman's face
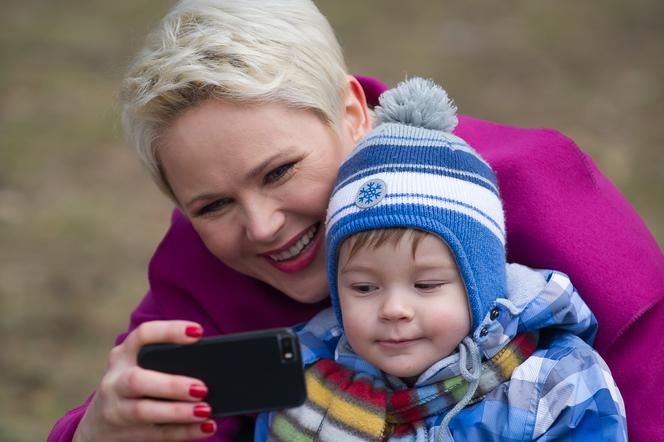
[{"x": 255, "y": 180}]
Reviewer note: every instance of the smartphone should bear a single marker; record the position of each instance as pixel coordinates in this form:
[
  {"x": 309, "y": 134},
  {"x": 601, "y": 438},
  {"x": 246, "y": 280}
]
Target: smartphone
[{"x": 244, "y": 372}]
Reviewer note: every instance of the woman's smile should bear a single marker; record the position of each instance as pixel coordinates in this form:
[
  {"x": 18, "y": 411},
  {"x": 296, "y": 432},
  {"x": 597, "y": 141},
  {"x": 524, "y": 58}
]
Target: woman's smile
[{"x": 299, "y": 252}]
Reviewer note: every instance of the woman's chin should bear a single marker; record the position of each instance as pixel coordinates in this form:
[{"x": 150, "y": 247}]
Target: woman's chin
[
  {"x": 307, "y": 297},
  {"x": 308, "y": 285}
]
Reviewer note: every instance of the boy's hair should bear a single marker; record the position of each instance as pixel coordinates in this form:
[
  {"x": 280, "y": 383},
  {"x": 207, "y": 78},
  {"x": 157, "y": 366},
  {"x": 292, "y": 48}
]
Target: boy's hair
[
  {"x": 249, "y": 51},
  {"x": 374, "y": 239}
]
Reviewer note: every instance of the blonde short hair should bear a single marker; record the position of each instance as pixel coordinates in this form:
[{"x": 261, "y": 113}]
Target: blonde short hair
[{"x": 281, "y": 51}]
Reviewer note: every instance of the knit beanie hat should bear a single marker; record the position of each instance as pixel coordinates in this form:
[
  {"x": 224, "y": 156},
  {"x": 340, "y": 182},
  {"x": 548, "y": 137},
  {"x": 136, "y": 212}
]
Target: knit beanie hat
[{"x": 411, "y": 171}]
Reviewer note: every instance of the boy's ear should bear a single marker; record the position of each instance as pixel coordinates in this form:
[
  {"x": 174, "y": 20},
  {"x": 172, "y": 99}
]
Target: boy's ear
[{"x": 356, "y": 111}]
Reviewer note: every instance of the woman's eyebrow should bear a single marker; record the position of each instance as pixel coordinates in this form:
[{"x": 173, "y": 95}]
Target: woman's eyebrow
[
  {"x": 201, "y": 197},
  {"x": 258, "y": 169}
]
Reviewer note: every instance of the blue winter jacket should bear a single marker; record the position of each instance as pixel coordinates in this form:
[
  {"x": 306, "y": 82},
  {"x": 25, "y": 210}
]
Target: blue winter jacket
[{"x": 564, "y": 391}]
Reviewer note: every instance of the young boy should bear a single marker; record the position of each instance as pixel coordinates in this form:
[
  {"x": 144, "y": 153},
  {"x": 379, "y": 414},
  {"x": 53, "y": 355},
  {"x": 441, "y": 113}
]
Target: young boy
[{"x": 431, "y": 335}]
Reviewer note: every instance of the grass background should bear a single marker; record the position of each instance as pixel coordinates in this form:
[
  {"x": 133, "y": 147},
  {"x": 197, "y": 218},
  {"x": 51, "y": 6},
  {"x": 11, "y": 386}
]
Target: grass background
[{"x": 79, "y": 218}]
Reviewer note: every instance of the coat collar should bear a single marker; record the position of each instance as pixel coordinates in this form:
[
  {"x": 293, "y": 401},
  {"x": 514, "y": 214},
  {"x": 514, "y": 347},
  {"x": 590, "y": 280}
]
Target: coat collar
[{"x": 537, "y": 299}]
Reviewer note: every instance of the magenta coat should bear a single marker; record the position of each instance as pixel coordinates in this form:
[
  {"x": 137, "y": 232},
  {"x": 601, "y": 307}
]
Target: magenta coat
[{"x": 561, "y": 213}]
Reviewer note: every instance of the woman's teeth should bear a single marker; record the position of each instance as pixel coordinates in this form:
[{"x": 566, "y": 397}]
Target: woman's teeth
[{"x": 297, "y": 248}]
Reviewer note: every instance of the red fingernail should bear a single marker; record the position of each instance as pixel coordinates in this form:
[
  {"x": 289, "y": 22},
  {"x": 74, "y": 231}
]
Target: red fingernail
[
  {"x": 194, "y": 331},
  {"x": 198, "y": 391},
  {"x": 202, "y": 410},
  {"x": 207, "y": 427}
]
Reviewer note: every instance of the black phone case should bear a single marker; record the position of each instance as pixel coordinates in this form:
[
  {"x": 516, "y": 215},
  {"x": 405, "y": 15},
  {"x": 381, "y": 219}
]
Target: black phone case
[{"x": 244, "y": 372}]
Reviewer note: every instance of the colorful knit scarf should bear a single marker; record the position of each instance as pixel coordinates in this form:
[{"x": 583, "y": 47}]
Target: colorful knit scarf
[{"x": 345, "y": 405}]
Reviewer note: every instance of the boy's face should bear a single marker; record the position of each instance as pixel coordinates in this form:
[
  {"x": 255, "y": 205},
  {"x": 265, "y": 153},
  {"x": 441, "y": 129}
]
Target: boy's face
[{"x": 403, "y": 311}]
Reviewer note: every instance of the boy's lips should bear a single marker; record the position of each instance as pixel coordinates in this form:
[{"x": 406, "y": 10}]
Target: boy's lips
[
  {"x": 397, "y": 343},
  {"x": 298, "y": 253}
]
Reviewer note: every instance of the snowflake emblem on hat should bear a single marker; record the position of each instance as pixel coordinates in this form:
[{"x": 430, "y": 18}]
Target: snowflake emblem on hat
[{"x": 370, "y": 193}]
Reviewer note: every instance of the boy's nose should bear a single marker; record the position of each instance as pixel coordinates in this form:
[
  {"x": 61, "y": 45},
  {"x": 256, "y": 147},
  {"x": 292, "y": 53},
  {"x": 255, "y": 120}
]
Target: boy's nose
[{"x": 395, "y": 308}]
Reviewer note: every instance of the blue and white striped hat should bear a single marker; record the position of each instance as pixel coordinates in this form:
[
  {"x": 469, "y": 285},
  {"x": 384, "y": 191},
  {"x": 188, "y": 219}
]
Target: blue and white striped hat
[{"x": 411, "y": 171}]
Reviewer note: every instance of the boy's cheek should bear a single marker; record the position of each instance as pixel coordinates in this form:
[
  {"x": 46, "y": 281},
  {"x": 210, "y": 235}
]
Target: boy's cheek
[
  {"x": 356, "y": 324},
  {"x": 350, "y": 322},
  {"x": 356, "y": 312},
  {"x": 356, "y": 337}
]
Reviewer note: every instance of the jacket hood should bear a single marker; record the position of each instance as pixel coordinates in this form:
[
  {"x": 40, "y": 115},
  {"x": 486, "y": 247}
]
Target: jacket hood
[{"x": 537, "y": 300}]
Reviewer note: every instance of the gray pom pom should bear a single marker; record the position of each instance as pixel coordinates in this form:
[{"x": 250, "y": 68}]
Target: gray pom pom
[{"x": 417, "y": 102}]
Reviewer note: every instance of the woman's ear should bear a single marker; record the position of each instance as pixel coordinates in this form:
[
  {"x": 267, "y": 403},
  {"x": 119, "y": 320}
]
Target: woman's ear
[{"x": 356, "y": 111}]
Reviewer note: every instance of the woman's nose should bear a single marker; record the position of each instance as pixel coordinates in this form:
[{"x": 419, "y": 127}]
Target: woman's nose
[
  {"x": 395, "y": 308},
  {"x": 264, "y": 220}
]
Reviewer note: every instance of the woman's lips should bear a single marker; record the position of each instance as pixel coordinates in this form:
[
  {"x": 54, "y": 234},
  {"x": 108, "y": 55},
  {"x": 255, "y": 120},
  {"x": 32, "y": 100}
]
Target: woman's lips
[{"x": 303, "y": 245}]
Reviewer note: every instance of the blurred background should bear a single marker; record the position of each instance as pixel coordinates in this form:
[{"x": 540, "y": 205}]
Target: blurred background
[{"x": 79, "y": 219}]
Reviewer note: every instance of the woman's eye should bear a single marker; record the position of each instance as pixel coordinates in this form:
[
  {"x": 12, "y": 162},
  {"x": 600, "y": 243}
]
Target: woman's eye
[
  {"x": 278, "y": 173},
  {"x": 214, "y": 206}
]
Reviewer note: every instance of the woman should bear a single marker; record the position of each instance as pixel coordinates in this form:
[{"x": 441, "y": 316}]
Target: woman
[{"x": 242, "y": 110}]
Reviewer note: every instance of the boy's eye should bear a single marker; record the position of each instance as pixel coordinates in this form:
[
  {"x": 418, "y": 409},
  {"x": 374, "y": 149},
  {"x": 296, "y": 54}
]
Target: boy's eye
[
  {"x": 278, "y": 173},
  {"x": 428, "y": 285},
  {"x": 364, "y": 288},
  {"x": 214, "y": 206}
]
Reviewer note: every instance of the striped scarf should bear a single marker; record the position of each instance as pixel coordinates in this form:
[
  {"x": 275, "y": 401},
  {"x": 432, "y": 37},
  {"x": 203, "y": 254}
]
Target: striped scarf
[{"x": 346, "y": 405}]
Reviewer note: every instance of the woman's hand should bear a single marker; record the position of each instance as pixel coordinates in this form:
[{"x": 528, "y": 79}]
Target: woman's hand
[{"x": 119, "y": 410}]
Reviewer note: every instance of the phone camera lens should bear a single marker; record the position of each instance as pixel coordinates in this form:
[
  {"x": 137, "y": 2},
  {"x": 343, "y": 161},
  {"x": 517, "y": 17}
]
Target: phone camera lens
[{"x": 287, "y": 352}]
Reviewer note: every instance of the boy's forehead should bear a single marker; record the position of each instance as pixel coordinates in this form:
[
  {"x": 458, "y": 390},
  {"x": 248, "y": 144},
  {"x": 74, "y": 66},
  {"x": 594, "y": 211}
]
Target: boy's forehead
[{"x": 425, "y": 251}]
